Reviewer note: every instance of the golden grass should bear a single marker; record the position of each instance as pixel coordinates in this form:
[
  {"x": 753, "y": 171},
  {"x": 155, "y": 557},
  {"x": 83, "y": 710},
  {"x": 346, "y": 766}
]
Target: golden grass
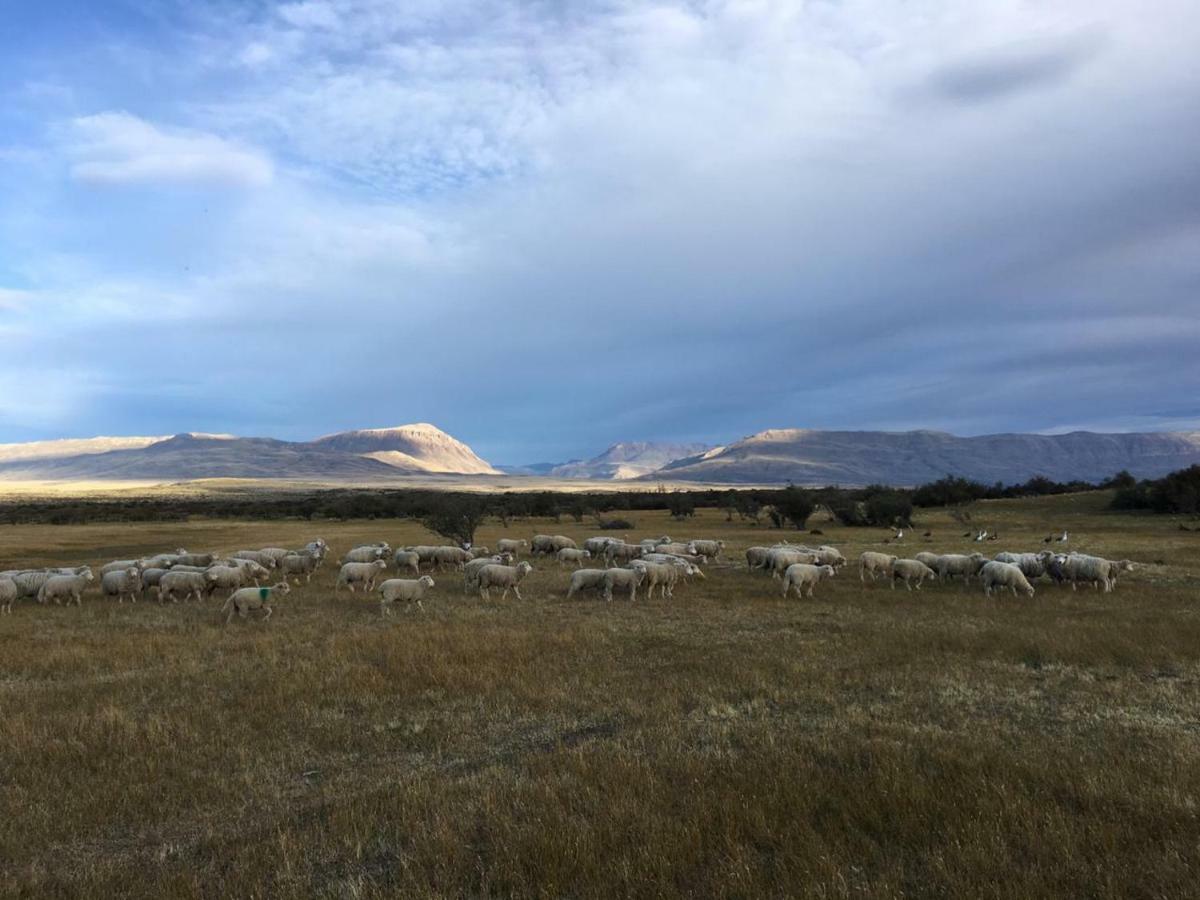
[{"x": 868, "y": 743}]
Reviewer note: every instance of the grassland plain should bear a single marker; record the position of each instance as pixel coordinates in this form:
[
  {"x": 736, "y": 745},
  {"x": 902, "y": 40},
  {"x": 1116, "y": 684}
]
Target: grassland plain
[{"x": 868, "y": 743}]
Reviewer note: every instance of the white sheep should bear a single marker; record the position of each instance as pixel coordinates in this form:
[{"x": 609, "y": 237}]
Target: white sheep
[
  {"x": 297, "y": 564},
  {"x": 586, "y": 579},
  {"x": 619, "y": 551},
  {"x": 930, "y": 559},
  {"x": 454, "y": 557},
  {"x": 911, "y": 571},
  {"x": 951, "y": 565},
  {"x": 29, "y": 583},
  {"x": 256, "y": 556},
  {"x": 1004, "y": 575},
  {"x": 689, "y": 565},
  {"x": 228, "y": 578},
  {"x": 120, "y": 565},
  {"x": 251, "y": 570},
  {"x": 663, "y": 575},
  {"x": 803, "y": 577},
  {"x": 246, "y": 599},
  {"x": 8, "y": 593},
  {"x": 122, "y": 584},
  {"x": 756, "y": 557},
  {"x": 174, "y": 586},
  {"x": 571, "y": 555},
  {"x": 511, "y": 545},
  {"x": 367, "y": 554},
  {"x": 408, "y": 590},
  {"x": 626, "y": 580},
  {"x": 203, "y": 560},
  {"x": 471, "y": 569},
  {"x": 830, "y": 556},
  {"x": 407, "y": 559},
  {"x": 548, "y": 544},
  {"x": 506, "y": 577},
  {"x": 873, "y": 563},
  {"x": 778, "y": 559},
  {"x": 363, "y": 573},
  {"x": 710, "y": 549},
  {"x": 68, "y": 587}
]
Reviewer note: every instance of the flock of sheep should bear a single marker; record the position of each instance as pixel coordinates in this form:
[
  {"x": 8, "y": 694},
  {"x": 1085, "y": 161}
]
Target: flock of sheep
[{"x": 653, "y": 563}]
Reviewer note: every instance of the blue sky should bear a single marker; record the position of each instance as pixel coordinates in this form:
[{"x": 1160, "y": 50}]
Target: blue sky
[{"x": 545, "y": 227}]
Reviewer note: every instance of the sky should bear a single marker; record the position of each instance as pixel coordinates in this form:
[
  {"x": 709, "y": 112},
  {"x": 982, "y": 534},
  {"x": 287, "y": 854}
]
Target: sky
[{"x": 548, "y": 226}]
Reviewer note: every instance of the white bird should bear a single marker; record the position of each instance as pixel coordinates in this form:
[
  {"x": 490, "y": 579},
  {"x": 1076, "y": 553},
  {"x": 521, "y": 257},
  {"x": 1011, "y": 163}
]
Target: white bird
[
  {"x": 1063, "y": 539},
  {"x": 981, "y": 536}
]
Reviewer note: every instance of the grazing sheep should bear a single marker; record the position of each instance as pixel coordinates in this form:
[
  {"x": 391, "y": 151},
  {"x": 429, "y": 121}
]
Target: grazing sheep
[
  {"x": 930, "y": 559},
  {"x": 174, "y": 586},
  {"x": 276, "y": 553},
  {"x": 8, "y": 593},
  {"x": 1117, "y": 566},
  {"x": 408, "y": 590},
  {"x": 122, "y": 584},
  {"x": 297, "y": 564},
  {"x": 664, "y": 576},
  {"x": 251, "y": 570},
  {"x": 506, "y": 577},
  {"x": 619, "y": 551},
  {"x": 407, "y": 559},
  {"x": 228, "y": 578},
  {"x": 256, "y": 556},
  {"x": 756, "y": 557},
  {"x": 511, "y": 545},
  {"x": 873, "y": 563},
  {"x": 547, "y": 544},
  {"x": 830, "y": 556},
  {"x": 626, "y": 580},
  {"x": 363, "y": 573},
  {"x": 779, "y": 559},
  {"x": 951, "y": 565},
  {"x": 70, "y": 587},
  {"x": 586, "y": 579},
  {"x": 453, "y": 557},
  {"x": 477, "y": 552},
  {"x": 161, "y": 561},
  {"x": 368, "y": 554},
  {"x": 571, "y": 555},
  {"x": 120, "y": 565},
  {"x": 203, "y": 560},
  {"x": 689, "y": 565},
  {"x": 471, "y": 569},
  {"x": 319, "y": 549},
  {"x": 674, "y": 548},
  {"x": 29, "y": 583},
  {"x": 246, "y": 599},
  {"x": 596, "y": 545},
  {"x": 710, "y": 549},
  {"x": 803, "y": 577},
  {"x": 1093, "y": 570},
  {"x": 911, "y": 571},
  {"x": 1004, "y": 575}
]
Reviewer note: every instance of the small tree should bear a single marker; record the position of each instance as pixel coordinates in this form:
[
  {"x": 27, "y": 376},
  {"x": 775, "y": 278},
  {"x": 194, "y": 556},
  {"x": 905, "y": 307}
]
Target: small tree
[
  {"x": 793, "y": 505},
  {"x": 681, "y": 505},
  {"x": 455, "y": 517}
]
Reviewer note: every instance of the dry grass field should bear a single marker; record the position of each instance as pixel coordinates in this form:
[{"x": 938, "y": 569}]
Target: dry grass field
[{"x": 868, "y": 743}]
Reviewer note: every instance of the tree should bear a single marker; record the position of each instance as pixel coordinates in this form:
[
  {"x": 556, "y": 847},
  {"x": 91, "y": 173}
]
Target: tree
[
  {"x": 455, "y": 517},
  {"x": 793, "y": 505},
  {"x": 681, "y": 505}
]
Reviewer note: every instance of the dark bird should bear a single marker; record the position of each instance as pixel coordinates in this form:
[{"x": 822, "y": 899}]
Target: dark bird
[
  {"x": 928, "y": 534},
  {"x": 968, "y": 534}
]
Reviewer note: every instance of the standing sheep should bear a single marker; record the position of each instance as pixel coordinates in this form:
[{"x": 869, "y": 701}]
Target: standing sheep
[
  {"x": 70, "y": 587},
  {"x": 8, "y": 593},
  {"x": 1004, "y": 575},
  {"x": 571, "y": 555},
  {"x": 511, "y": 545},
  {"x": 951, "y": 565},
  {"x": 297, "y": 564},
  {"x": 756, "y": 557},
  {"x": 367, "y": 554},
  {"x": 407, "y": 559},
  {"x": 246, "y": 599},
  {"x": 255, "y": 556},
  {"x": 506, "y": 577},
  {"x": 911, "y": 571},
  {"x": 711, "y": 549},
  {"x": 626, "y": 580},
  {"x": 803, "y": 577},
  {"x": 363, "y": 573},
  {"x": 227, "y": 578},
  {"x": 619, "y": 551},
  {"x": 409, "y": 590},
  {"x": 122, "y": 584},
  {"x": 873, "y": 563},
  {"x": 175, "y": 585},
  {"x": 585, "y": 580}
]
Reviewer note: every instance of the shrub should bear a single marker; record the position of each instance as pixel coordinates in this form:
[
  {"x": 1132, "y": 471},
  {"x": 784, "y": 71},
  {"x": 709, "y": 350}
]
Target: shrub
[{"x": 616, "y": 525}]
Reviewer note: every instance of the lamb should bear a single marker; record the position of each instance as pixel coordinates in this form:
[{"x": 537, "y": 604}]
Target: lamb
[
  {"x": 506, "y": 577},
  {"x": 910, "y": 571},
  {"x": 404, "y": 589},
  {"x": 873, "y": 563},
  {"x": 585, "y": 580},
  {"x": 8, "y": 593},
  {"x": 367, "y": 554},
  {"x": 710, "y": 549},
  {"x": 930, "y": 559},
  {"x": 122, "y": 584},
  {"x": 954, "y": 564},
  {"x": 1004, "y": 575},
  {"x": 454, "y": 557},
  {"x": 71, "y": 587},
  {"x": 626, "y": 580},
  {"x": 256, "y": 556},
  {"x": 511, "y": 545},
  {"x": 619, "y": 551},
  {"x": 363, "y": 573},
  {"x": 803, "y": 577},
  {"x": 571, "y": 555},
  {"x": 246, "y": 599},
  {"x": 228, "y": 578},
  {"x": 689, "y": 565},
  {"x": 297, "y": 564},
  {"x": 407, "y": 559},
  {"x": 176, "y": 585}
]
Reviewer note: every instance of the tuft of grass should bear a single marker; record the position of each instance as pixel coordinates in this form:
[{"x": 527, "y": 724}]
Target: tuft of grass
[{"x": 870, "y": 742}]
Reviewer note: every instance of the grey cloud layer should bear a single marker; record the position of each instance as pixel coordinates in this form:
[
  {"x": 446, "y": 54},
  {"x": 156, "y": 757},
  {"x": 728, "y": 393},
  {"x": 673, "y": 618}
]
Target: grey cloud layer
[{"x": 545, "y": 232}]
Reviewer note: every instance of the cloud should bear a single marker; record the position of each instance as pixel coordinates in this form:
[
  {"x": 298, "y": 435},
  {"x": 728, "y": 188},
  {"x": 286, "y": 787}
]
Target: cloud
[
  {"x": 997, "y": 73},
  {"x": 119, "y": 148}
]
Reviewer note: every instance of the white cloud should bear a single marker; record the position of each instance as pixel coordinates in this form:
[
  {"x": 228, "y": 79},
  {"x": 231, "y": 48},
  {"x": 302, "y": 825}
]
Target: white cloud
[
  {"x": 120, "y": 148},
  {"x": 311, "y": 14}
]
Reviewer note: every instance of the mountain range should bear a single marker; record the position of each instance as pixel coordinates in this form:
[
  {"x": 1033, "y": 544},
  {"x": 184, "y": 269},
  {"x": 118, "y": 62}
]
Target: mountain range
[{"x": 777, "y": 456}]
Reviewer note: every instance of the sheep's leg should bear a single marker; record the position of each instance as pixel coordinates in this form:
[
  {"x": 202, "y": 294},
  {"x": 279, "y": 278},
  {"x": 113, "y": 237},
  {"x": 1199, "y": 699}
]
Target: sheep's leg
[{"x": 269, "y": 611}]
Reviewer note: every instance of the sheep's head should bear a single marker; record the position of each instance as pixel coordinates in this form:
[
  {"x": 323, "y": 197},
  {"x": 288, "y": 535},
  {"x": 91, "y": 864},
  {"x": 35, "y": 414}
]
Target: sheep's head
[
  {"x": 282, "y": 588},
  {"x": 425, "y": 580},
  {"x": 827, "y": 571},
  {"x": 524, "y": 569},
  {"x": 587, "y": 554},
  {"x": 379, "y": 564}
]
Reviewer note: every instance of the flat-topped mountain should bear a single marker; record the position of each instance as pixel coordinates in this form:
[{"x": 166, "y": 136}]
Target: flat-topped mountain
[
  {"x": 379, "y": 453},
  {"x": 809, "y": 457}
]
